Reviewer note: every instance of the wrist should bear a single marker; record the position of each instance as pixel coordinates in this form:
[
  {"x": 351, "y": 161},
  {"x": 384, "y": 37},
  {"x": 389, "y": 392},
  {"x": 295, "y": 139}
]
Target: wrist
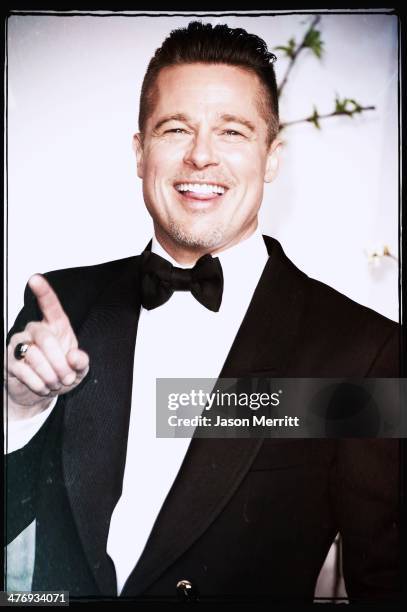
[{"x": 19, "y": 412}]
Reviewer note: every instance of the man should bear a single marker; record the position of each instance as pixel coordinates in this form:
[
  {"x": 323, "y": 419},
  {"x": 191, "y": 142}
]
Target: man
[{"x": 118, "y": 511}]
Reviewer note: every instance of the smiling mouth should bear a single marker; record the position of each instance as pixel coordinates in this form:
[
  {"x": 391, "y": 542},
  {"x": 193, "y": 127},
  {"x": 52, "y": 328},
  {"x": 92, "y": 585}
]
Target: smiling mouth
[{"x": 200, "y": 191}]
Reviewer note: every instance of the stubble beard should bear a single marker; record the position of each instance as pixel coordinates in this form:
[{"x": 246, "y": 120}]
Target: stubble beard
[{"x": 199, "y": 239}]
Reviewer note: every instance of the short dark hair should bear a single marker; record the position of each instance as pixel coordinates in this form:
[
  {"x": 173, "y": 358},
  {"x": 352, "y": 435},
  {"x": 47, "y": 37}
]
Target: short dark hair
[{"x": 219, "y": 44}]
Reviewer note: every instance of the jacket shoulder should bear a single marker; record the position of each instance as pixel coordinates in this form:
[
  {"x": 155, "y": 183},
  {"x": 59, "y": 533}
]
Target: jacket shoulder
[
  {"x": 331, "y": 304},
  {"x": 90, "y": 279},
  {"x": 337, "y": 335},
  {"x": 350, "y": 332},
  {"x": 77, "y": 289}
]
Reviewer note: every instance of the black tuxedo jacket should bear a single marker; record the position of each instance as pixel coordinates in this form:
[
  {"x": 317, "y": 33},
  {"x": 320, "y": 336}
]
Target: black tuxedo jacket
[{"x": 245, "y": 517}]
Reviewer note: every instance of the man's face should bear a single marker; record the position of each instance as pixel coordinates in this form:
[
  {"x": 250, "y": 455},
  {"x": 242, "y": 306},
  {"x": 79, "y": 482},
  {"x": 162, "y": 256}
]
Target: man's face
[{"x": 205, "y": 157}]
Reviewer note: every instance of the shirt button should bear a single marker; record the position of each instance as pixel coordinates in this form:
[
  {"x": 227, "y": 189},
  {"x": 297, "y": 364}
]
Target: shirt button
[{"x": 186, "y": 591}]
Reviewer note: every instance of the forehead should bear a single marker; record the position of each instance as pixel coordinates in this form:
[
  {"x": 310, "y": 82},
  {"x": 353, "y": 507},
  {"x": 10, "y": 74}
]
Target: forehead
[{"x": 208, "y": 88}]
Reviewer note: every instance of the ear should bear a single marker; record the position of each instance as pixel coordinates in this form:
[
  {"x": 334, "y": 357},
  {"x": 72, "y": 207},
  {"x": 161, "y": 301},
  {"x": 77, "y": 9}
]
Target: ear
[
  {"x": 273, "y": 158},
  {"x": 138, "y": 150}
]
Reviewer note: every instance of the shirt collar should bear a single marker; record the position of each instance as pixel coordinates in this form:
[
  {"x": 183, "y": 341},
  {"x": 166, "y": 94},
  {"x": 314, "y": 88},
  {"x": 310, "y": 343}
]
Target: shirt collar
[{"x": 252, "y": 249}]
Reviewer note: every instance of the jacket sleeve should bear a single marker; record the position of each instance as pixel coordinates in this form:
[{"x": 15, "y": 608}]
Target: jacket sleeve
[
  {"x": 77, "y": 290},
  {"x": 21, "y": 467},
  {"x": 22, "y": 470},
  {"x": 365, "y": 492}
]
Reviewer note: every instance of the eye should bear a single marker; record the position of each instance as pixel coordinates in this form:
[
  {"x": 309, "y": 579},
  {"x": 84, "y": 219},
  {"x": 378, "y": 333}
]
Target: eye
[
  {"x": 176, "y": 131},
  {"x": 232, "y": 133}
]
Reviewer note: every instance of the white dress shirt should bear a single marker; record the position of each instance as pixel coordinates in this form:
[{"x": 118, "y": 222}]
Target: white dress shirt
[{"x": 179, "y": 339}]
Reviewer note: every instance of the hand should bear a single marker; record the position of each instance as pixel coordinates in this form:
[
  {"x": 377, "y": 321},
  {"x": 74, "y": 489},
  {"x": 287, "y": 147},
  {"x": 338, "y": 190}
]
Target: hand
[{"x": 53, "y": 364}]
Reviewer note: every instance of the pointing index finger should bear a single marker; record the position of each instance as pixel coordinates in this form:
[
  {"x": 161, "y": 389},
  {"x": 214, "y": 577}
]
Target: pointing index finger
[{"x": 47, "y": 299}]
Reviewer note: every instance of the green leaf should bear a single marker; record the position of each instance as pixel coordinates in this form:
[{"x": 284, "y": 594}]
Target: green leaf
[
  {"x": 289, "y": 50},
  {"x": 347, "y": 106},
  {"x": 314, "y": 118},
  {"x": 313, "y": 41},
  {"x": 339, "y": 105},
  {"x": 356, "y": 106}
]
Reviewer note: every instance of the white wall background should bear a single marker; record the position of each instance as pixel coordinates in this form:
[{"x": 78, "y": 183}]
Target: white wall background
[{"x": 73, "y": 194}]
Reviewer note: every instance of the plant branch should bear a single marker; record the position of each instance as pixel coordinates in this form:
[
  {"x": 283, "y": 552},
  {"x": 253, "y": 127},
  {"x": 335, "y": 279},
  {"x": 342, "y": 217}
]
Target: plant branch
[
  {"x": 295, "y": 54},
  {"x": 312, "y": 118}
]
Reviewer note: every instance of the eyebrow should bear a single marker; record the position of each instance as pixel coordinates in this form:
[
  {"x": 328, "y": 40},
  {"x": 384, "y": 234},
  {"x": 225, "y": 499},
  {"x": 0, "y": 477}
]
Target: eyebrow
[
  {"x": 175, "y": 117},
  {"x": 237, "y": 119},
  {"x": 224, "y": 117}
]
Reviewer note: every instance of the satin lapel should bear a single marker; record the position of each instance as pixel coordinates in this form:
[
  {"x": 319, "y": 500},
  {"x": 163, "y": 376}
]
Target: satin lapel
[
  {"x": 97, "y": 416},
  {"x": 213, "y": 468},
  {"x": 265, "y": 339}
]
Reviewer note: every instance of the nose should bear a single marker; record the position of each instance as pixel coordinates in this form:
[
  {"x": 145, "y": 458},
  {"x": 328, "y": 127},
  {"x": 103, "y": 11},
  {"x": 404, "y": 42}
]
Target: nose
[{"x": 201, "y": 152}]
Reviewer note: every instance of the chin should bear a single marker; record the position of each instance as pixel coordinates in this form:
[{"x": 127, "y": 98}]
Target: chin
[{"x": 195, "y": 238}]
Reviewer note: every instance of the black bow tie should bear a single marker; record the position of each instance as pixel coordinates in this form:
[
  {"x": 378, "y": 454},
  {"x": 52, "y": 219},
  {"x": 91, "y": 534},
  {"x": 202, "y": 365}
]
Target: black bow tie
[{"x": 159, "y": 280}]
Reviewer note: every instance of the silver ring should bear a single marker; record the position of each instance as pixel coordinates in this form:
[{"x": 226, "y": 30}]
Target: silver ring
[{"x": 21, "y": 350}]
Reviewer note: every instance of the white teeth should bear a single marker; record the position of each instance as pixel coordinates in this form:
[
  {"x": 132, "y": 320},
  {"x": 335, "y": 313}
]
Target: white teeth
[{"x": 200, "y": 188}]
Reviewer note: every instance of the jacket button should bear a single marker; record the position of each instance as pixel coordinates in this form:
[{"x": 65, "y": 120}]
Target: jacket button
[{"x": 186, "y": 591}]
